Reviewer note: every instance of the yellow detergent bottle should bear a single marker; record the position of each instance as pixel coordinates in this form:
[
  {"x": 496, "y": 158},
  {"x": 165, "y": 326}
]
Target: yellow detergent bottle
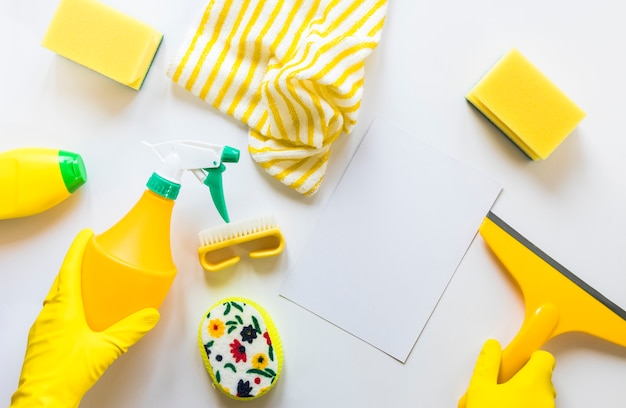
[
  {"x": 35, "y": 179},
  {"x": 129, "y": 267}
]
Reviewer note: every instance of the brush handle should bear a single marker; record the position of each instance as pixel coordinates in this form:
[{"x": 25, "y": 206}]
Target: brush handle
[{"x": 216, "y": 259}]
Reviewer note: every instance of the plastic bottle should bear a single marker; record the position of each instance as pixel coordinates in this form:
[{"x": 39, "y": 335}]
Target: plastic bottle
[
  {"x": 129, "y": 267},
  {"x": 35, "y": 179}
]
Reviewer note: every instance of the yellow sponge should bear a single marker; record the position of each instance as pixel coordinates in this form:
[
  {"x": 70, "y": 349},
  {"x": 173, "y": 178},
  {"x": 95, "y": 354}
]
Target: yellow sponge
[
  {"x": 241, "y": 348},
  {"x": 103, "y": 39},
  {"x": 525, "y": 105}
]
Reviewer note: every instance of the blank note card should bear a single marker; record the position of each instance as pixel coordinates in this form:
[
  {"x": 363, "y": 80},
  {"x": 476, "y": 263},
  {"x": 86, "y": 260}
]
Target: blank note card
[{"x": 389, "y": 240}]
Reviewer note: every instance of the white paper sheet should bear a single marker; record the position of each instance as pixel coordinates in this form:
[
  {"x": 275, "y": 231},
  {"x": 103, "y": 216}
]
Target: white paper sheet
[{"x": 390, "y": 239}]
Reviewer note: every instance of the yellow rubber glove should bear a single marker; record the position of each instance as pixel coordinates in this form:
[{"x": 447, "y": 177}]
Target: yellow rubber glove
[
  {"x": 64, "y": 357},
  {"x": 531, "y": 387}
]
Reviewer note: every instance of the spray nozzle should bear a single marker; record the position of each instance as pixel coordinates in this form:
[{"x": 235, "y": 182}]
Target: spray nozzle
[{"x": 204, "y": 160}]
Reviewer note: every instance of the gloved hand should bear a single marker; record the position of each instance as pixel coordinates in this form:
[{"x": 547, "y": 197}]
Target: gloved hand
[
  {"x": 64, "y": 357},
  {"x": 530, "y": 387}
]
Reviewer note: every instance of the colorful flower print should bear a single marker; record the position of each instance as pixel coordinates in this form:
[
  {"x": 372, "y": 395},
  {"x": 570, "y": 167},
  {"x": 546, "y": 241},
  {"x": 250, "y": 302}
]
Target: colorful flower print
[
  {"x": 248, "y": 333},
  {"x": 244, "y": 389},
  {"x": 259, "y": 361},
  {"x": 216, "y": 328},
  {"x": 238, "y": 351}
]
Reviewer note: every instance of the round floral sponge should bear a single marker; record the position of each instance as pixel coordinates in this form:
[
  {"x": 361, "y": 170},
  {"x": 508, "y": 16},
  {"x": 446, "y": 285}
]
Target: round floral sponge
[{"x": 240, "y": 348}]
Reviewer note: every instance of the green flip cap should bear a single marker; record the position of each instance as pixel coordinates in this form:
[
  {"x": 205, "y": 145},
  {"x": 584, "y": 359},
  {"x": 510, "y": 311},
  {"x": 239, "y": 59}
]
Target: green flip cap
[{"x": 72, "y": 170}]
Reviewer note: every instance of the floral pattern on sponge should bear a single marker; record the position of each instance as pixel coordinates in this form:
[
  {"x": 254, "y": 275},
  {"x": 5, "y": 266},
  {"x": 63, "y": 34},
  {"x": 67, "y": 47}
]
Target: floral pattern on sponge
[{"x": 240, "y": 348}]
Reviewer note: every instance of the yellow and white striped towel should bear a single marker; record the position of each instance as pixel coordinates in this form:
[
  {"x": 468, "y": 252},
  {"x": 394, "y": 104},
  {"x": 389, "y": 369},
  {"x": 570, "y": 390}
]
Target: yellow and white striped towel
[{"x": 292, "y": 70}]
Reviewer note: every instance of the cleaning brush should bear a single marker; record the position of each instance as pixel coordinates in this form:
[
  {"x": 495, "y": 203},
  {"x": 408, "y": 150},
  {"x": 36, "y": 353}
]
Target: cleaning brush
[{"x": 222, "y": 246}]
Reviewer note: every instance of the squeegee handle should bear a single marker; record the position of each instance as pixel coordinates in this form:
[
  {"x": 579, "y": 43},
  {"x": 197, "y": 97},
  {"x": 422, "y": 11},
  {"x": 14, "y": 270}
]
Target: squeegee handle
[
  {"x": 536, "y": 330},
  {"x": 538, "y": 327}
]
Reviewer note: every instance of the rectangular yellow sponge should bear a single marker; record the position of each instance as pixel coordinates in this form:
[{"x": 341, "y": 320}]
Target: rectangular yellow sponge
[
  {"x": 104, "y": 40},
  {"x": 525, "y": 105}
]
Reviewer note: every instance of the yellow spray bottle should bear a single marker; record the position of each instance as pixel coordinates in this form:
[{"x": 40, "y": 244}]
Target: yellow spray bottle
[
  {"x": 35, "y": 179},
  {"x": 129, "y": 267}
]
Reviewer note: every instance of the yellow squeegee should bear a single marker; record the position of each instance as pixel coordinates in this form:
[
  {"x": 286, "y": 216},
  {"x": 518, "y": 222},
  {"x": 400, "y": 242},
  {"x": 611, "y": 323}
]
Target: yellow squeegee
[{"x": 556, "y": 300}]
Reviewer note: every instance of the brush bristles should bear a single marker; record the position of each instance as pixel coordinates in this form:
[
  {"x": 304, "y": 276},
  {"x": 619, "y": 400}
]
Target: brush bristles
[{"x": 237, "y": 229}]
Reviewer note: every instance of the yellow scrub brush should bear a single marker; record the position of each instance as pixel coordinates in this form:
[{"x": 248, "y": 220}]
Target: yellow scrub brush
[{"x": 220, "y": 247}]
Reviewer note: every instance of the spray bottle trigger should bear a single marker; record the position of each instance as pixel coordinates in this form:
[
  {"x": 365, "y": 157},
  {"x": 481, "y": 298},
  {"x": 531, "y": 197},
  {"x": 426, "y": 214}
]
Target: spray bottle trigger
[
  {"x": 213, "y": 180},
  {"x": 204, "y": 160}
]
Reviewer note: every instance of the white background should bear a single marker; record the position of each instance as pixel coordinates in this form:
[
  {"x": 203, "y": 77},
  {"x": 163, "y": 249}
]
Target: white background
[{"x": 571, "y": 205}]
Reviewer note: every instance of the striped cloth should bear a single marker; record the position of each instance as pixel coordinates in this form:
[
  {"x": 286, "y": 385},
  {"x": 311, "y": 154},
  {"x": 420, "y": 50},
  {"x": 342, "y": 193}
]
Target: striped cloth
[{"x": 292, "y": 70}]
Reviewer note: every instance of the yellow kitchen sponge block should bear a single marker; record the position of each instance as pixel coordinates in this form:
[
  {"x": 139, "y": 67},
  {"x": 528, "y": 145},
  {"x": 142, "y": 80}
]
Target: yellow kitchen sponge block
[
  {"x": 525, "y": 105},
  {"x": 104, "y": 40}
]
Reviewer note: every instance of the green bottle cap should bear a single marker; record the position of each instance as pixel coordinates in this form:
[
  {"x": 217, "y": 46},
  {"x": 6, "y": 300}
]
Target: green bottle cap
[
  {"x": 230, "y": 155},
  {"x": 72, "y": 170},
  {"x": 163, "y": 187}
]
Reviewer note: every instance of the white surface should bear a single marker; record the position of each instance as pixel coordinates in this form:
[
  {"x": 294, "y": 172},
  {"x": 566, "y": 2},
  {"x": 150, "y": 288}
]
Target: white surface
[
  {"x": 572, "y": 205},
  {"x": 390, "y": 239}
]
